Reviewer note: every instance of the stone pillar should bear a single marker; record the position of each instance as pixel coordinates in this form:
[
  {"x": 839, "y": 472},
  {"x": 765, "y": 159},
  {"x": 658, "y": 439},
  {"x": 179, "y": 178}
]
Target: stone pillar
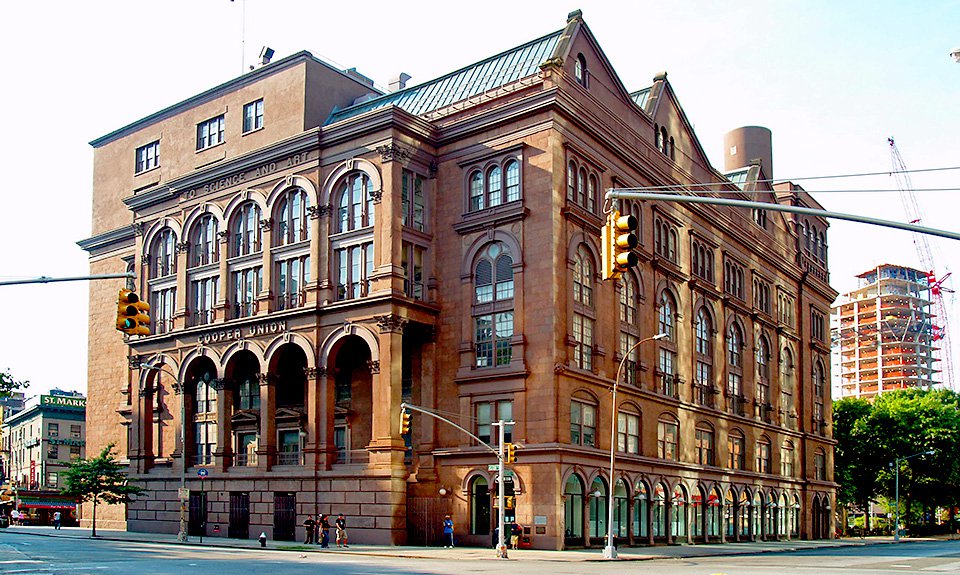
[
  {"x": 327, "y": 450},
  {"x": 224, "y": 293},
  {"x": 386, "y": 445},
  {"x": 310, "y": 458},
  {"x": 223, "y": 456},
  {"x": 318, "y": 257},
  {"x": 267, "y": 446},
  {"x": 181, "y": 313},
  {"x": 388, "y": 242},
  {"x": 264, "y": 299},
  {"x": 426, "y": 470}
]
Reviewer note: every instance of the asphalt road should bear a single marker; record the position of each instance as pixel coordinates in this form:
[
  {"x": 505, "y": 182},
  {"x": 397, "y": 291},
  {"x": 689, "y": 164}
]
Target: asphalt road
[{"x": 22, "y": 554}]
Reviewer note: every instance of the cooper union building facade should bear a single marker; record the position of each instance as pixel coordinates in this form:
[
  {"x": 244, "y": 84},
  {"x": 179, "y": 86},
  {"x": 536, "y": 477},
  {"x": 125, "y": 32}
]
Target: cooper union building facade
[{"x": 316, "y": 252}]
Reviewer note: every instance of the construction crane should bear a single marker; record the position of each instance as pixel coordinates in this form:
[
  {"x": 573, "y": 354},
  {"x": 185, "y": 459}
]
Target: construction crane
[{"x": 938, "y": 328}]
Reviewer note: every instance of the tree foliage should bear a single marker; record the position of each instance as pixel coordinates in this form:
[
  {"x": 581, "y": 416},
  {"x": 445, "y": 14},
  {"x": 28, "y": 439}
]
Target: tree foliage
[
  {"x": 898, "y": 425},
  {"x": 8, "y": 384},
  {"x": 100, "y": 479}
]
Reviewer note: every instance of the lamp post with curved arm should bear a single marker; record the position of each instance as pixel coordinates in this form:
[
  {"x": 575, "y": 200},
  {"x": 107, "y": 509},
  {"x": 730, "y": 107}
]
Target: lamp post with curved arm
[
  {"x": 178, "y": 387},
  {"x": 896, "y": 465},
  {"x": 610, "y": 552}
]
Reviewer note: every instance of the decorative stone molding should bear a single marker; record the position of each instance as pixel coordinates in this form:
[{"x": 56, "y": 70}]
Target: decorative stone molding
[
  {"x": 310, "y": 372},
  {"x": 183, "y": 247},
  {"x": 218, "y": 384},
  {"x": 315, "y": 212},
  {"x": 223, "y": 235},
  {"x": 134, "y": 361},
  {"x": 177, "y": 388},
  {"x": 264, "y": 378},
  {"x": 266, "y": 224},
  {"x": 374, "y": 366},
  {"x": 392, "y": 151},
  {"x": 433, "y": 169},
  {"x": 376, "y": 196},
  {"x": 391, "y": 323},
  {"x": 139, "y": 228}
]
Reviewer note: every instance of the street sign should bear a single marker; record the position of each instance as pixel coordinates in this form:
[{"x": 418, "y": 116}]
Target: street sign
[
  {"x": 183, "y": 493},
  {"x": 493, "y": 467},
  {"x": 202, "y": 473}
]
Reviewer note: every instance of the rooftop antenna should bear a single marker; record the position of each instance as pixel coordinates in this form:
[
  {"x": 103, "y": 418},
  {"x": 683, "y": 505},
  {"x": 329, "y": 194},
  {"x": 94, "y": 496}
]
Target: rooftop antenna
[{"x": 243, "y": 36}]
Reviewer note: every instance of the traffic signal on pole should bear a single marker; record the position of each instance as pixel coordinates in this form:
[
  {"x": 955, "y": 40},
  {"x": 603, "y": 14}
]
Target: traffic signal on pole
[
  {"x": 509, "y": 501},
  {"x": 132, "y": 315},
  {"x": 404, "y": 422},
  {"x": 617, "y": 240},
  {"x": 511, "y": 452}
]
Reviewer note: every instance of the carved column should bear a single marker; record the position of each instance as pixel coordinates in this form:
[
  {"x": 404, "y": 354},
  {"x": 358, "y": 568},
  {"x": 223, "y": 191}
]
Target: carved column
[
  {"x": 317, "y": 225},
  {"x": 267, "y": 448},
  {"x": 181, "y": 313},
  {"x": 387, "y": 446},
  {"x": 223, "y": 456},
  {"x": 224, "y": 295},
  {"x": 388, "y": 244},
  {"x": 264, "y": 298},
  {"x": 327, "y": 450},
  {"x": 137, "y": 424},
  {"x": 313, "y": 403}
]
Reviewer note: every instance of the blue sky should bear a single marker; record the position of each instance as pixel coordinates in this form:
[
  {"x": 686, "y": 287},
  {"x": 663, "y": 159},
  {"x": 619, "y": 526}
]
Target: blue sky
[{"x": 832, "y": 80}]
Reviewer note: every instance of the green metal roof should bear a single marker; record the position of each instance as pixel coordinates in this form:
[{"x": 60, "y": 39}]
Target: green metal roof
[{"x": 496, "y": 71}]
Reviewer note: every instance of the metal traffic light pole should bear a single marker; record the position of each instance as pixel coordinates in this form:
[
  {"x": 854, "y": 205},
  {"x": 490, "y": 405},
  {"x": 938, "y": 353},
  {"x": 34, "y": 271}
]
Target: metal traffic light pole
[
  {"x": 47, "y": 280},
  {"x": 501, "y": 458}
]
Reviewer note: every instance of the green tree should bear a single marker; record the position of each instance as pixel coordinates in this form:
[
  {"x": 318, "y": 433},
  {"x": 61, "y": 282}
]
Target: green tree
[
  {"x": 8, "y": 384},
  {"x": 100, "y": 479},
  {"x": 857, "y": 465}
]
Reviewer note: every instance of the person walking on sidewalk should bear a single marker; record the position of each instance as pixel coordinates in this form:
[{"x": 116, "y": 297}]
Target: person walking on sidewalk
[
  {"x": 324, "y": 531},
  {"x": 309, "y": 527},
  {"x": 447, "y": 532},
  {"x": 56, "y": 520},
  {"x": 341, "y": 525}
]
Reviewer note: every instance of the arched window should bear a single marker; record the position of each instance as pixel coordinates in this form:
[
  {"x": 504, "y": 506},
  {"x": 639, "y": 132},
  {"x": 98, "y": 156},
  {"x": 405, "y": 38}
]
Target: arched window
[
  {"x": 640, "y": 503},
  {"x": 205, "y": 424},
  {"x": 582, "y": 187},
  {"x": 163, "y": 254},
  {"x": 786, "y": 458},
  {"x": 735, "y": 400},
  {"x": 599, "y": 499},
  {"x": 757, "y": 515},
  {"x": 479, "y": 506},
  {"x": 678, "y": 521},
  {"x": 659, "y": 510},
  {"x": 204, "y": 241},
  {"x": 246, "y": 230},
  {"x": 580, "y": 70},
  {"x": 355, "y": 207},
  {"x": 583, "y": 308},
  {"x": 703, "y": 349},
  {"x": 494, "y": 186},
  {"x": 729, "y": 515},
  {"x": 668, "y": 438},
  {"x": 620, "y": 517},
  {"x": 764, "y": 456},
  {"x": 763, "y": 376},
  {"x": 656, "y": 137},
  {"x": 743, "y": 511},
  {"x": 476, "y": 192},
  {"x": 493, "y": 309},
  {"x": 513, "y": 180},
  {"x": 629, "y": 295},
  {"x": 667, "y": 348},
  {"x": 673, "y": 150},
  {"x": 573, "y": 510},
  {"x": 787, "y": 385},
  {"x": 820, "y": 465},
  {"x": 629, "y": 328},
  {"x": 663, "y": 141},
  {"x": 592, "y": 194},
  {"x": 572, "y": 181},
  {"x": 291, "y": 217}
]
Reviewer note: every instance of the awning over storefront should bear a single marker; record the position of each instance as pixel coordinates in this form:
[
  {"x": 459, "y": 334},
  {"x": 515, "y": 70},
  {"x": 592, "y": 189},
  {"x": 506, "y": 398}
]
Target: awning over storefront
[{"x": 48, "y": 500}]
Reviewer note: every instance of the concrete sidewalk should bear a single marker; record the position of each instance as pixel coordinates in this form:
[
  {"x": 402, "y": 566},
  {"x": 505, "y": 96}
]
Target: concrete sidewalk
[{"x": 460, "y": 553}]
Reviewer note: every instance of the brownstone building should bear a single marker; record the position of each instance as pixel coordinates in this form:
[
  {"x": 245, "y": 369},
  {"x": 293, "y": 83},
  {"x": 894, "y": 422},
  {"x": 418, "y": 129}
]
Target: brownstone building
[{"x": 316, "y": 252}]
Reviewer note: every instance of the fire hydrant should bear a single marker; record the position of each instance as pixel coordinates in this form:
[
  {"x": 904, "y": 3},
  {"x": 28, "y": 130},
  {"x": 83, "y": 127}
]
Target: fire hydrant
[{"x": 262, "y": 539}]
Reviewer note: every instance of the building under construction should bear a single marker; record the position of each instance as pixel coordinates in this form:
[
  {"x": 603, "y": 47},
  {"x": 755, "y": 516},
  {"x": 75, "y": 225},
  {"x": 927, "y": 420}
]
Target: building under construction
[{"x": 886, "y": 333}]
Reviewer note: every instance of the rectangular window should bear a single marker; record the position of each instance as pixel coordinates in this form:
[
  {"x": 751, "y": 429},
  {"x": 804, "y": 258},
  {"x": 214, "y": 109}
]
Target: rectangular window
[
  {"x": 820, "y": 466},
  {"x": 247, "y": 284},
  {"x": 583, "y": 338},
  {"x": 148, "y": 157},
  {"x": 354, "y": 268},
  {"x": 494, "y": 333},
  {"x": 53, "y": 430},
  {"x": 763, "y": 457},
  {"x": 75, "y": 431},
  {"x": 253, "y": 116},
  {"x": 412, "y": 200},
  {"x": 627, "y": 342},
  {"x": 411, "y": 262},
  {"x": 204, "y": 300},
  {"x": 733, "y": 280},
  {"x": 705, "y": 447},
  {"x": 289, "y": 445},
  {"x": 292, "y": 278},
  {"x": 735, "y": 452},
  {"x": 628, "y": 433},
  {"x": 74, "y": 451},
  {"x": 53, "y": 452},
  {"x": 162, "y": 308},
  {"x": 583, "y": 424},
  {"x": 667, "y": 360},
  {"x": 488, "y": 412},
  {"x": 817, "y": 325},
  {"x": 210, "y": 133},
  {"x": 53, "y": 479}
]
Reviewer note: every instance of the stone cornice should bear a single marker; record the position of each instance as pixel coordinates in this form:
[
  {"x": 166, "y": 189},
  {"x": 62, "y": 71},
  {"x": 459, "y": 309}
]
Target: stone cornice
[
  {"x": 386, "y": 118},
  {"x": 107, "y": 239}
]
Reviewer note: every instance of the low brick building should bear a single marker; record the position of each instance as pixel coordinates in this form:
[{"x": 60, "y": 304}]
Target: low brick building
[{"x": 316, "y": 252}]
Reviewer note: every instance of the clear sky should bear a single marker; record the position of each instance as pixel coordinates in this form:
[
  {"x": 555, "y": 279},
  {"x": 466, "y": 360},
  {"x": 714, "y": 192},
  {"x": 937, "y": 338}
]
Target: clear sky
[{"x": 832, "y": 80}]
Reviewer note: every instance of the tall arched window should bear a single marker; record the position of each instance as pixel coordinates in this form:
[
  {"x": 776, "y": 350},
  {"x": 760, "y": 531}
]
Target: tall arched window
[
  {"x": 667, "y": 348},
  {"x": 513, "y": 180},
  {"x": 703, "y": 349},
  {"x": 246, "y": 230},
  {"x": 640, "y": 503},
  {"x": 583, "y": 316},
  {"x": 599, "y": 499},
  {"x": 493, "y": 309},
  {"x": 744, "y": 510},
  {"x": 494, "y": 186},
  {"x": 620, "y": 517},
  {"x": 660, "y": 510},
  {"x": 819, "y": 389},
  {"x": 787, "y": 385},
  {"x": 729, "y": 515},
  {"x": 204, "y": 240},
  {"x": 763, "y": 378},
  {"x": 629, "y": 329},
  {"x": 291, "y": 217},
  {"x": 205, "y": 419},
  {"x": 355, "y": 207},
  {"x": 163, "y": 254},
  {"x": 477, "y": 200},
  {"x": 678, "y": 515},
  {"x": 580, "y": 70},
  {"x": 787, "y": 458},
  {"x": 735, "y": 399},
  {"x": 573, "y": 510}
]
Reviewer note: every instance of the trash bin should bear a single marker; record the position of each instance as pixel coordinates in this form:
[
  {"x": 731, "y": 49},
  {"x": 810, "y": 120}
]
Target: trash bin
[{"x": 4, "y": 521}]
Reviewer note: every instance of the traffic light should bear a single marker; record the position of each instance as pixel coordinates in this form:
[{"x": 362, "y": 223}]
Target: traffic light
[
  {"x": 617, "y": 242},
  {"x": 509, "y": 501},
  {"x": 132, "y": 315},
  {"x": 511, "y": 452},
  {"x": 404, "y": 422}
]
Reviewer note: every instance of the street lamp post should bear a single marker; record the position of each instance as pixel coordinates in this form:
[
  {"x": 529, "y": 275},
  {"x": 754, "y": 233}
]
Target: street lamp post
[
  {"x": 178, "y": 387},
  {"x": 610, "y": 551},
  {"x": 896, "y": 465}
]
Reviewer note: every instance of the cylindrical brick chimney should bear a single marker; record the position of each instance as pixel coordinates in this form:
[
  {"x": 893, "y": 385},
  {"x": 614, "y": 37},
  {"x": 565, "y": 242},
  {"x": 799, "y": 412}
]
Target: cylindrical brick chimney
[{"x": 748, "y": 143}]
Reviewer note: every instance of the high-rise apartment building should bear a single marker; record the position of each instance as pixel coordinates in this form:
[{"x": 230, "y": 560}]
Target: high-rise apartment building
[
  {"x": 316, "y": 252},
  {"x": 885, "y": 334}
]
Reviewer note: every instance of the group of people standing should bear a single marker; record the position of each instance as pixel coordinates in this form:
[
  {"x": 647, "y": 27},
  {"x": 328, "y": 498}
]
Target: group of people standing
[{"x": 317, "y": 531}]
